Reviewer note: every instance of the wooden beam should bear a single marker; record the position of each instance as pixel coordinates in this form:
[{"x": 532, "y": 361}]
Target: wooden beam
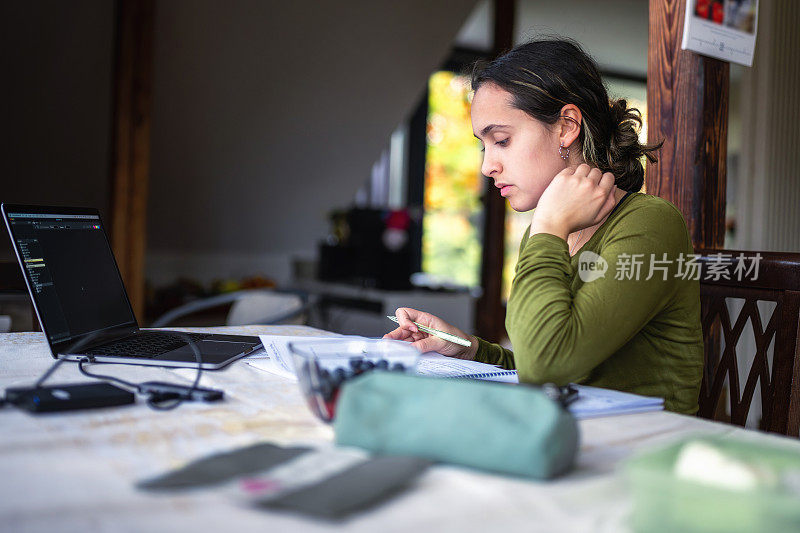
[
  {"x": 490, "y": 313},
  {"x": 130, "y": 160},
  {"x": 687, "y": 108}
]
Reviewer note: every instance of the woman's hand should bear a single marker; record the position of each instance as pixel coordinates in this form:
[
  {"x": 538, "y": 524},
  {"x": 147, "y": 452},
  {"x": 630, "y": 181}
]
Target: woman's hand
[
  {"x": 424, "y": 342},
  {"x": 574, "y": 200}
]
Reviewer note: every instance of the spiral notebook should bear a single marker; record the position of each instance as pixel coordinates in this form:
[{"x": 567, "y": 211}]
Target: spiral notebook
[
  {"x": 591, "y": 401},
  {"x": 438, "y": 365}
]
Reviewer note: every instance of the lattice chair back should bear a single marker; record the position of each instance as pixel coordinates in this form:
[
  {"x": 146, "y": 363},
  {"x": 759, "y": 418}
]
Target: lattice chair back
[{"x": 753, "y": 282}]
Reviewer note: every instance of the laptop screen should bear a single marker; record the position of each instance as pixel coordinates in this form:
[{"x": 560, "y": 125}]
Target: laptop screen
[{"x": 72, "y": 274}]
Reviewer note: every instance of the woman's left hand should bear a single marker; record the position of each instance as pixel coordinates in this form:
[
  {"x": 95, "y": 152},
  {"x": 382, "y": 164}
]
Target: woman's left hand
[{"x": 574, "y": 200}]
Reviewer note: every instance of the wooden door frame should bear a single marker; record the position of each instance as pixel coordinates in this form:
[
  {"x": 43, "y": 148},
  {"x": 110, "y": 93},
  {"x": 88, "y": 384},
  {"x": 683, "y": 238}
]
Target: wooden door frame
[
  {"x": 130, "y": 143},
  {"x": 687, "y": 109}
]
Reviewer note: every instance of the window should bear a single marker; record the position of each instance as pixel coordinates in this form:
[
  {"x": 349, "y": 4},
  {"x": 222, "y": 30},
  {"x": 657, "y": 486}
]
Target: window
[
  {"x": 452, "y": 210},
  {"x": 432, "y": 168}
]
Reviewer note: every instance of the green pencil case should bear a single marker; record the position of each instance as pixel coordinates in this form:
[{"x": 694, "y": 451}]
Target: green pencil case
[{"x": 511, "y": 429}]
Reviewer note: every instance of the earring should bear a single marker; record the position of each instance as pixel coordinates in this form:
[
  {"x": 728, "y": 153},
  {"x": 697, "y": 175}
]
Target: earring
[{"x": 563, "y": 152}]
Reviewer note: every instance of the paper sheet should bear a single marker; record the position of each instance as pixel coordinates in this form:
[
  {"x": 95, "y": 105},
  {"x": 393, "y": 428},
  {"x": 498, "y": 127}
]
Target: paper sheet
[
  {"x": 278, "y": 359},
  {"x": 725, "y": 30}
]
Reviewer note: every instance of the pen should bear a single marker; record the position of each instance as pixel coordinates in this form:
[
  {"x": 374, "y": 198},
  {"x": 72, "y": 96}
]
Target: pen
[{"x": 436, "y": 333}]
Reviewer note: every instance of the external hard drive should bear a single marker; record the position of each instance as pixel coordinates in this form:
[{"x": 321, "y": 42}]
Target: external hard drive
[{"x": 68, "y": 397}]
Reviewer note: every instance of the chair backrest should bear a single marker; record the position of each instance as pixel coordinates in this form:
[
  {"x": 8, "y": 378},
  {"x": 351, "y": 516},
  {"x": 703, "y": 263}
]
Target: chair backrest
[
  {"x": 729, "y": 278},
  {"x": 252, "y": 306},
  {"x": 263, "y": 307}
]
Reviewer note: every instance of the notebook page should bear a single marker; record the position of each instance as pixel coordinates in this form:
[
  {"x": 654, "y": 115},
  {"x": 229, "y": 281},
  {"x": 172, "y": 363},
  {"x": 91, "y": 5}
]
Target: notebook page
[
  {"x": 434, "y": 364},
  {"x": 595, "y": 401}
]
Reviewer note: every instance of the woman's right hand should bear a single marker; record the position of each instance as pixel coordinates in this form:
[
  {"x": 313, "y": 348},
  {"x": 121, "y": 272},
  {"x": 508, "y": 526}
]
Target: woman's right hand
[
  {"x": 424, "y": 342},
  {"x": 574, "y": 200}
]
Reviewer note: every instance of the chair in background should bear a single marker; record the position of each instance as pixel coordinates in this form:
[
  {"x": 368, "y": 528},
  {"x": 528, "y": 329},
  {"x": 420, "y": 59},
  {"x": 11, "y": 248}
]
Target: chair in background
[
  {"x": 778, "y": 281},
  {"x": 257, "y": 306}
]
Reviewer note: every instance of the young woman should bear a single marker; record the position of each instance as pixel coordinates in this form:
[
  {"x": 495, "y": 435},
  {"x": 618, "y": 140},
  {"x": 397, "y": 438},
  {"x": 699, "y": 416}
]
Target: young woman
[{"x": 602, "y": 293}]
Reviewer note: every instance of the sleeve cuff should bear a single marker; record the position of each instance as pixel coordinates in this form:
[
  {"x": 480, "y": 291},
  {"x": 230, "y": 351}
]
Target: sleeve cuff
[
  {"x": 547, "y": 241},
  {"x": 490, "y": 353},
  {"x": 544, "y": 250}
]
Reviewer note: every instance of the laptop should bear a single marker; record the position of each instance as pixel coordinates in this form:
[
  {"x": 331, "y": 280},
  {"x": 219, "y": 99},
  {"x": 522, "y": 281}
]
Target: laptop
[{"x": 81, "y": 302}]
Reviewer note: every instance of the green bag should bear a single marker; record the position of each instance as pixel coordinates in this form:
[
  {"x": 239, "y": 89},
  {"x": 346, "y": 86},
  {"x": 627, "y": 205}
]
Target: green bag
[
  {"x": 754, "y": 487},
  {"x": 513, "y": 429}
]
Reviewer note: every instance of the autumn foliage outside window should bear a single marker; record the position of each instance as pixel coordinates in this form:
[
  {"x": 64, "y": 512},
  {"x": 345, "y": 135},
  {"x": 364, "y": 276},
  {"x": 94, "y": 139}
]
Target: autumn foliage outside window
[{"x": 452, "y": 221}]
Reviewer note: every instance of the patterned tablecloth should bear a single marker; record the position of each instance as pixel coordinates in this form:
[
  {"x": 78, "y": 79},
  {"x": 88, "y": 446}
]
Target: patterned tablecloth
[{"x": 76, "y": 471}]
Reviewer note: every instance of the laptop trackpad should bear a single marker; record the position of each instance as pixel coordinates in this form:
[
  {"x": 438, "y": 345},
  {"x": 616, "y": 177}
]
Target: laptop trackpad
[{"x": 211, "y": 351}]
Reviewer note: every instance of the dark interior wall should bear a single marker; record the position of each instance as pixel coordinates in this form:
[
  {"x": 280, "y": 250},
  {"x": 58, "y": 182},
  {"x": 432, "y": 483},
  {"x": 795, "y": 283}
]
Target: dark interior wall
[
  {"x": 266, "y": 115},
  {"x": 56, "y": 60},
  {"x": 269, "y": 114}
]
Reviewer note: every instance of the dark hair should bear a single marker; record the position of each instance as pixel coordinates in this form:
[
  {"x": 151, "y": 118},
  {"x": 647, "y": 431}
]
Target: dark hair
[{"x": 545, "y": 75}]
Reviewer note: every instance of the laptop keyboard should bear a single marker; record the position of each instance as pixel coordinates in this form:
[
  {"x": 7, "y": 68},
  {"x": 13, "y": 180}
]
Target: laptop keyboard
[{"x": 146, "y": 345}]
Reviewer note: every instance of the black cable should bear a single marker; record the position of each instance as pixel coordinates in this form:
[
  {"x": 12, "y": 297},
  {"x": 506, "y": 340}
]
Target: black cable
[
  {"x": 166, "y": 401},
  {"x": 154, "y": 401},
  {"x": 158, "y": 405},
  {"x": 103, "y": 377},
  {"x": 48, "y": 373},
  {"x": 41, "y": 380},
  {"x": 157, "y": 401}
]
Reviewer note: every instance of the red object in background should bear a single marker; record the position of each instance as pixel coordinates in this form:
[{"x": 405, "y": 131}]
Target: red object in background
[
  {"x": 701, "y": 8},
  {"x": 398, "y": 219},
  {"x": 717, "y": 12}
]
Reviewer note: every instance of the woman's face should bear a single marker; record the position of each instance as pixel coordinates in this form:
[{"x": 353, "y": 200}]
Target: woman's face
[{"x": 520, "y": 152}]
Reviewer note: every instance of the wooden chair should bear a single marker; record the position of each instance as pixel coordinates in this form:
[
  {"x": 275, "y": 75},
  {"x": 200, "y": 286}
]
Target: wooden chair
[{"x": 778, "y": 281}]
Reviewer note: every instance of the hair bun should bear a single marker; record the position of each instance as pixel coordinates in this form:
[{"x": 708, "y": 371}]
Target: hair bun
[
  {"x": 625, "y": 151},
  {"x": 624, "y": 120},
  {"x": 618, "y": 109}
]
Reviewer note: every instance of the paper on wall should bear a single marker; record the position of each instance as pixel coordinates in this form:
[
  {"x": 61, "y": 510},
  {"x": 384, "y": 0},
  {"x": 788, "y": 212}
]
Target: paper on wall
[{"x": 724, "y": 29}]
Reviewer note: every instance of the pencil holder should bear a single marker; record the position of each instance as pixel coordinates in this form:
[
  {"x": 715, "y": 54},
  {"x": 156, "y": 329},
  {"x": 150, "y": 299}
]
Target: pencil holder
[{"x": 498, "y": 427}]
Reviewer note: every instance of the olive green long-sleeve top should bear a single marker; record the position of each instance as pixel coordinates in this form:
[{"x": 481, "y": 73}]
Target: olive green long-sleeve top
[{"x": 635, "y": 328}]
